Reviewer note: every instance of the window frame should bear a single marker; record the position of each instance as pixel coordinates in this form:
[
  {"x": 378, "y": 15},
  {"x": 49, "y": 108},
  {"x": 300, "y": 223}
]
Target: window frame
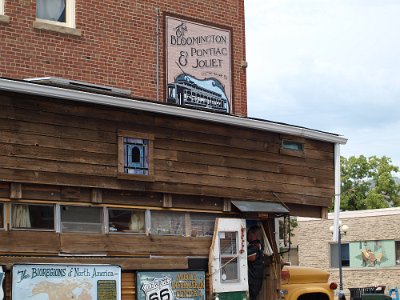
[
  {"x": 11, "y": 207},
  {"x": 101, "y": 220},
  {"x": 121, "y": 158},
  {"x": 333, "y": 247},
  {"x": 232, "y": 257},
  {"x": 292, "y": 152},
  {"x": 70, "y": 12},
  {"x": 127, "y": 231}
]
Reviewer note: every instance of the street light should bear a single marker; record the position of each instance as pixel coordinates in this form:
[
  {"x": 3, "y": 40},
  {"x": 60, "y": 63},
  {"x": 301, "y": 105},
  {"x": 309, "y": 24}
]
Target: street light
[{"x": 342, "y": 231}]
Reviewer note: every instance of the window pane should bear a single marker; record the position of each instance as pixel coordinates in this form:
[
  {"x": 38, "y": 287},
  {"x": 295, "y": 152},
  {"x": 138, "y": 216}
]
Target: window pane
[
  {"x": 136, "y": 156},
  {"x": 167, "y": 223},
  {"x": 398, "y": 253},
  {"x": 29, "y": 216},
  {"x": 53, "y": 10},
  {"x": 289, "y": 145},
  {"x": 126, "y": 220},
  {"x": 227, "y": 243},
  {"x": 81, "y": 219},
  {"x": 202, "y": 225},
  {"x": 228, "y": 254},
  {"x": 335, "y": 255},
  {"x": 229, "y": 269}
]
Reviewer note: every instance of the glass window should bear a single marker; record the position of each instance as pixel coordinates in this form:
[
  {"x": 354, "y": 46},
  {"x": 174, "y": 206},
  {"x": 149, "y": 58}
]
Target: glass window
[
  {"x": 202, "y": 225},
  {"x": 32, "y": 216},
  {"x": 62, "y": 12},
  {"x": 136, "y": 156},
  {"x": 397, "y": 246},
  {"x": 335, "y": 255},
  {"x": 229, "y": 256},
  {"x": 53, "y": 10},
  {"x": 126, "y": 220},
  {"x": 81, "y": 219},
  {"x": 290, "y": 145},
  {"x": 167, "y": 223}
]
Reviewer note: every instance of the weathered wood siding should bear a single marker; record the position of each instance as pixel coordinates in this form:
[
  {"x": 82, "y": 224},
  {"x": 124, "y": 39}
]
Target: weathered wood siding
[{"x": 68, "y": 143}]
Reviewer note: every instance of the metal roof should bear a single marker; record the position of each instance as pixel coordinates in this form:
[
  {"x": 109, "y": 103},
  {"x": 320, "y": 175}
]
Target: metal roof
[{"x": 20, "y": 86}]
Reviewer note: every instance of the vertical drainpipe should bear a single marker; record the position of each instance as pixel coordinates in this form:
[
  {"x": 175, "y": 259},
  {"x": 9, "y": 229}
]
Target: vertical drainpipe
[
  {"x": 337, "y": 194},
  {"x": 157, "y": 53}
]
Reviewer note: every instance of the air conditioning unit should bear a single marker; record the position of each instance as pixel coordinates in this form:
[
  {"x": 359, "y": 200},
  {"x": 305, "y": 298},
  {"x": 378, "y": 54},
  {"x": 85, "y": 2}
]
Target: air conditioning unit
[{"x": 80, "y": 85}]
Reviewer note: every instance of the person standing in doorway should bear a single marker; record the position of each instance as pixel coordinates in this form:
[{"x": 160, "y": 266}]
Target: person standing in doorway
[{"x": 255, "y": 261}]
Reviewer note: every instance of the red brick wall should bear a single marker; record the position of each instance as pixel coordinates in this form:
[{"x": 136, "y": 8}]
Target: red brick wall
[{"x": 117, "y": 46}]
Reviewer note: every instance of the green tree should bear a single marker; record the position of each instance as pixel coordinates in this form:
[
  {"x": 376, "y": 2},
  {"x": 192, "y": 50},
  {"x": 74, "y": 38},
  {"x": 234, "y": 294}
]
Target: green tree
[{"x": 368, "y": 183}]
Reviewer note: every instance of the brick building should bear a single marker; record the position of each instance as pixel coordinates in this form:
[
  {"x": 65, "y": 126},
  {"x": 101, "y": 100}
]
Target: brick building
[
  {"x": 124, "y": 140},
  {"x": 370, "y": 248}
]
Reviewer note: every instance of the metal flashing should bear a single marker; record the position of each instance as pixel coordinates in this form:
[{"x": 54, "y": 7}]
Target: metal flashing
[{"x": 162, "y": 108}]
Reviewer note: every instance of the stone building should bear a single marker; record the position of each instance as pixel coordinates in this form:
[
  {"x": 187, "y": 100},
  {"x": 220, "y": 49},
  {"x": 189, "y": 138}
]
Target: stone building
[{"x": 370, "y": 247}]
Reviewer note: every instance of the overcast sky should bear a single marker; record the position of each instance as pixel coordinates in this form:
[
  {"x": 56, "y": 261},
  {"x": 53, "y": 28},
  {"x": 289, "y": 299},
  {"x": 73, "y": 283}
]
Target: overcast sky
[{"x": 331, "y": 65}]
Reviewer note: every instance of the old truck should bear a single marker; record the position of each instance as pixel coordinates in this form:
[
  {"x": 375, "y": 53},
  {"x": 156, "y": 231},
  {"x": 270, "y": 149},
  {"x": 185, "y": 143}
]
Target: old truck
[{"x": 306, "y": 283}]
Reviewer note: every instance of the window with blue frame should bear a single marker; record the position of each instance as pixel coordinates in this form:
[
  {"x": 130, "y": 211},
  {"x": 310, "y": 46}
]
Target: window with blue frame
[{"x": 135, "y": 155}]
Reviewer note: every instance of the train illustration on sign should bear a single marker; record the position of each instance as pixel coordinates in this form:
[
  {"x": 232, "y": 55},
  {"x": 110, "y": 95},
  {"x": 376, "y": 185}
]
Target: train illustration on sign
[{"x": 207, "y": 94}]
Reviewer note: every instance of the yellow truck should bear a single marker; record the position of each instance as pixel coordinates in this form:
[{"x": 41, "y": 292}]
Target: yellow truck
[{"x": 305, "y": 283}]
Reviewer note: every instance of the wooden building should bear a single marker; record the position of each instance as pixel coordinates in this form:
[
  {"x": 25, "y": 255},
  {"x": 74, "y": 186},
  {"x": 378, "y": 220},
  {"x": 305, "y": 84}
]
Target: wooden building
[{"x": 125, "y": 136}]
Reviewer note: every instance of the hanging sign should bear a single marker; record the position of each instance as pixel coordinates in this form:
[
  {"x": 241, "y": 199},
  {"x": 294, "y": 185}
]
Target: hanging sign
[
  {"x": 198, "y": 60},
  {"x": 52, "y": 282},
  {"x": 168, "y": 285}
]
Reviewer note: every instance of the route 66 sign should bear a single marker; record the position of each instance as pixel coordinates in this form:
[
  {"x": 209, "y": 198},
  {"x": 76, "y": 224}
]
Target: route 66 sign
[{"x": 158, "y": 289}]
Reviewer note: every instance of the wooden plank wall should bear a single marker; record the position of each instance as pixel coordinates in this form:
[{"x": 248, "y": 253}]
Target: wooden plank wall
[{"x": 69, "y": 143}]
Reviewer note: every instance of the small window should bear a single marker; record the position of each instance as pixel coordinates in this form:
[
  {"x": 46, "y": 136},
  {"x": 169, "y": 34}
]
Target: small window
[
  {"x": 345, "y": 260},
  {"x": 32, "y": 216},
  {"x": 135, "y": 155},
  {"x": 81, "y": 219},
  {"x": 126, "y": 220},
  {"x": 290, "y": 145},
  {"x": 167, "y": 223},
  {"x": 202, "y": 225},
  {"x": 229, "y": 256},
  {"x": 60, "y": 12}
]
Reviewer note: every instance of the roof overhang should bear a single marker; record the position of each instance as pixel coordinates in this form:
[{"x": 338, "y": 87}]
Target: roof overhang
[
  {"x": 260, "y": 207},
  {"x": 25, "y": 87}
]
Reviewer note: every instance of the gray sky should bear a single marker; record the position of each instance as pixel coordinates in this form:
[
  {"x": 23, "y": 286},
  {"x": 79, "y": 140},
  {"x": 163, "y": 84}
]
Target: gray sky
[{"x": 330, "y": 65}]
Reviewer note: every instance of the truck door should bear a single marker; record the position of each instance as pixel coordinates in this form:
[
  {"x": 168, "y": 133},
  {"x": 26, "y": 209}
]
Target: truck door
[{"x": 228, "y": 260}]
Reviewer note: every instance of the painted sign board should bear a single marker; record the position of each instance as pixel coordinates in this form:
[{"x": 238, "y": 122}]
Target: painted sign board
[
  {"x": 171, "y": 285},
  {"x": 198, "y": 63},
  {"x": 372, "y": 254},
  {"x": 58, "y": 282}
]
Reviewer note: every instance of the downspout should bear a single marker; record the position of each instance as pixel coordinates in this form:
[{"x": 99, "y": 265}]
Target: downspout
[
  {"x": 157, "y": 54},
  {"x": 337, "y": 194}
]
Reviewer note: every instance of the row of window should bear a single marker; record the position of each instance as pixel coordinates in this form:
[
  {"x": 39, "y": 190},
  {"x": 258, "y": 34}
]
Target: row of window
[
  {"x": 57, "y": 12},
  {"x": 68, "y": 218},
  {"x": 366, "y": 254}
]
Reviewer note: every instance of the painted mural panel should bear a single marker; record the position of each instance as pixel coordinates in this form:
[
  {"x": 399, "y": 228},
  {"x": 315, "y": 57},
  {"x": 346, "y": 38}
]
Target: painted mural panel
[
  {"x": 171, "y": 285},
  {"x": 372, "y": 254},
  {"x": 198, "y": 60},
  {"x": 59, "y": 282}
]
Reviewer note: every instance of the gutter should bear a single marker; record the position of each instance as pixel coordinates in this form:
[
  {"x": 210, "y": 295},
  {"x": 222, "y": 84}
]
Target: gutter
[{"x": 74, "y": 95}]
